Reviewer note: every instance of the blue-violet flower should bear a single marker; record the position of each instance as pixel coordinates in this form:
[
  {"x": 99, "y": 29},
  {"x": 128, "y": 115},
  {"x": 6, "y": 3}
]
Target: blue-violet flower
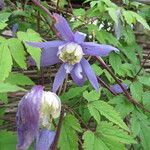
[
  {"x": 34, "y": 115},
  {"x": 70, "y": 51}
]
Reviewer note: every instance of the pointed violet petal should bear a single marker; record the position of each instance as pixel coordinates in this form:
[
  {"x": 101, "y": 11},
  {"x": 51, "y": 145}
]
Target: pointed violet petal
[
  {"x": 117, "y": 89},
  {"x": 63, "y": 28},
  {"x": 46, "y": 45},
  {"x": 79, "y": 37},
  {"x": 93, "y": 49},
  {"x": 59, "y": 78},
  {"x": 89, "y": 73},
  {"x": 68, "y": 67},
  {"x": 28, "y": 117},
  {"x": 78, "y": 75},
  {"x": 45, "y": 139},
  {"x": 48, "y": 57},
  {"x": 78, "y": 70}
]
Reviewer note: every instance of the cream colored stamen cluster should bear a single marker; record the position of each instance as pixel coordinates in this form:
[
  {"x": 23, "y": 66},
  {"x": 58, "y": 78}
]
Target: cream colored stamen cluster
[
  {"x": 71, "y": 53},
  {"x": 50, "y": 108}
]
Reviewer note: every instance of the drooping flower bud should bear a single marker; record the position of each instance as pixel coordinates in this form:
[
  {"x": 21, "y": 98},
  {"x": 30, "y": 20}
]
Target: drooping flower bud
[
  {"x": 2, "y": 4},
  {"x": 35, "y": 112},
  {"x": 70, "y": 53},
  {"x": 117, "y": 89}
]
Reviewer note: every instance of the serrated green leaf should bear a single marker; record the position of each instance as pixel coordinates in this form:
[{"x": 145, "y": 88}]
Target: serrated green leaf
[
  {"x": 19, "y": 79},
  {"x": 94, "y": 112},
  {"x": 17, "y": 51},
  {"x": 97, "y": 69},
  {"x": 31, "y": 36},
  {"x": 113, "y": 132},
  {"x": 5, "y": 61},
  {"x": 112, "y": 14},
  {"x": 73, "y": 92},
  {"x": 110, "y": 113},
  {"x": 93, "y": 141},
  {"x": 3, "y": 19},
  {"x": 88, "y": 138},
  {"x": 144, "y": 80},
  {"x": 7, "y": 87},
  {"x": 68, "y": 137},
  {"x": 136, "y": 89},
  {"x": 140, "y": 19},
  {"x": 91, "y": 96},
  {"x": 115, "y": 61}
]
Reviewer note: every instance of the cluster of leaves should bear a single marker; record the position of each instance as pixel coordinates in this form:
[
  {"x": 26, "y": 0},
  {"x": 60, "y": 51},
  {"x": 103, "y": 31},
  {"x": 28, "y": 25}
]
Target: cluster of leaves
[{"x": 93, "y": 120}]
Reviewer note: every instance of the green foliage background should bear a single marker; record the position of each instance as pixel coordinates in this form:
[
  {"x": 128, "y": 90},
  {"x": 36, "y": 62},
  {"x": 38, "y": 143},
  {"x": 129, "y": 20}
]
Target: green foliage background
[{"x": 93, "y": 120}]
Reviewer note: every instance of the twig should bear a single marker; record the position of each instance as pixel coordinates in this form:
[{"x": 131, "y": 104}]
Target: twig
[
  {"x": 105, "y": 85},
  {"x": 57, "y": 6},
  {"x": 54, "y": 144},
  {"x": 146, "y": 58},
  {"x": 38, "y": 4},
  {"x": 130, "y": 99}
]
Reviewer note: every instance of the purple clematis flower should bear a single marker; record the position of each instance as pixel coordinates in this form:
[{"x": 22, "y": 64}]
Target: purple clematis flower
[
  {"x": 70, "y": 51},
  {"x": 117, "y": 89},
  {"x": 2, "y": 4},
  {"x": 34, "y": 115}
]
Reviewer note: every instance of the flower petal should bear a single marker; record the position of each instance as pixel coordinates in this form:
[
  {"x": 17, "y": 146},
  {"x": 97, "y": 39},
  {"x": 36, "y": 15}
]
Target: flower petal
[
  {"x": 45, "y": 139},
  {"x": 63, "y": 28},
  {"x": 78, "y": 75},
  {"x": 117, "y": 89},
  {"x": 91, "y": 48},
  {"x": 28, "y": 117},
  {"x": 59, "y": 78},
  {"x": 79, "y": 37},
  {"x": 48, "y": 57},
  {"x": 89, "y": 73},
  {"x": 46, "y": 45}
]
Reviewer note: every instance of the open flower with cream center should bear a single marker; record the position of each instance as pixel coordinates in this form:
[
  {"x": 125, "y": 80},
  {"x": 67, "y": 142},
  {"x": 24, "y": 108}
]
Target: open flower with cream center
[
  {"x": 70, "y": 52},
  {"x": 34, "y": 116}
]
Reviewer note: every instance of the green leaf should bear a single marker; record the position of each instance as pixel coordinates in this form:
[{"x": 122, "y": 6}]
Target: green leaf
[
  {"x": 113, "y": 132},
  {"x": 145, "y": 136},
  {"x": 136, "y": 89},
  {"x": 68, "y": 137},
  {"x": 8, "y": 140},
  {"x": 31, "y": 36},
  {"x": 73, "y": 92},
  {"x": 146, "y": 99},
  {"x": 97, "y": 69},
  {"x": 7, "y": 87},
  {"x": 3, "y": 97},
  {"x": 3, "y": 19},
  {"x": 91, "y": 96},
  {"x": 104, "y": 37},
  {"x": 115, "y": 61},
  {"x": 109, "y": 112},
  {"x": 128, "y": 17},
  {"x": 19, "y": 79},
  {"x": 144, "y": 80},
  {"x": 17, "y": 51},
  {"x": 5, "y": 61},
  {"x": 93, "y": 141},
  {"x": 140, "y": 19},
  {"x": 131, "y": 16},
  {"x": 112, "y": 14}
]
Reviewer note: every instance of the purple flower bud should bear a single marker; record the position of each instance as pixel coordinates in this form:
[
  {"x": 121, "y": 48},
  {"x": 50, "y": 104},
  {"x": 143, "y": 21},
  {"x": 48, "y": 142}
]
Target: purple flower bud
[
  {"x": 117, "y": 89},
  {"x": 35, "y": 111},
  {"x": 44, "y": 140},
  {"x": 2, "y": 4}
]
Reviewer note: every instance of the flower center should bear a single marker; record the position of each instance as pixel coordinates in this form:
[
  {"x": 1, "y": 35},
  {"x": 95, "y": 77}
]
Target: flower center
[
  {"x": 50, "y": 108},
  {"x": 70, "y": 53}
]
